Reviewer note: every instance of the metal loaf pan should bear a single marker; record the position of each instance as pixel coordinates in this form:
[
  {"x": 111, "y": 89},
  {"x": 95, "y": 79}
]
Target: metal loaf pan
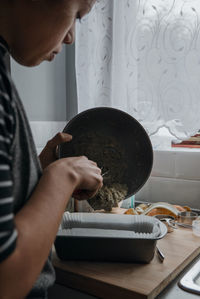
[{"x": 108, "y": 237}]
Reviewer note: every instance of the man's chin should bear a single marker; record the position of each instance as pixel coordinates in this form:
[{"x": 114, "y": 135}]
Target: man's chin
[{"x": 28, "y": 62}]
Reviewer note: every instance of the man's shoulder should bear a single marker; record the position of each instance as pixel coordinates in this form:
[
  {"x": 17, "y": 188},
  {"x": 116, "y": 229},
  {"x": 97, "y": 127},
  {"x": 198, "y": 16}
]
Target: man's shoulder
[
  {"x": 3, "y": 57},
  {"x": 5, "y": 80},
  {"x": 7, "y": 116}
]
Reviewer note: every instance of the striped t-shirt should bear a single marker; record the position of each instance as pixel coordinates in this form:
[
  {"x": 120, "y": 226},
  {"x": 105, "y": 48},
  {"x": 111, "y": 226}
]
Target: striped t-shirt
[
  {"x": 20, "y": 170},
  {"x": 8, "y": 232}
]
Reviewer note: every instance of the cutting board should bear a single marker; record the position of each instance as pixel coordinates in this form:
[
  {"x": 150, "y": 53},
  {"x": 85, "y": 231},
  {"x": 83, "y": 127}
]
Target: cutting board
[{"x": 129, "y": 280}]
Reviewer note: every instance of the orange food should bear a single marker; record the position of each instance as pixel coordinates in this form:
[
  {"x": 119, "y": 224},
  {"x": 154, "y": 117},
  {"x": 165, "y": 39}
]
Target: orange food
[
  {"x": 161, "y": 211},
  {"x": 180, "y": 208},
  {"x": 130, "y": 212},
  {"x": 159, "y": 208},
  {"x": 187, "y": 208}
]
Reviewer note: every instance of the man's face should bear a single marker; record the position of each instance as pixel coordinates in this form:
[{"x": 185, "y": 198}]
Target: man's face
[{"x": 40, "y": 27}]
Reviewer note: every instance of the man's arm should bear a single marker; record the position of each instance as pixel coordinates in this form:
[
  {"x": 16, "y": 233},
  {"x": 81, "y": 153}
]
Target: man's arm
[{"x": 38, "y": 221}]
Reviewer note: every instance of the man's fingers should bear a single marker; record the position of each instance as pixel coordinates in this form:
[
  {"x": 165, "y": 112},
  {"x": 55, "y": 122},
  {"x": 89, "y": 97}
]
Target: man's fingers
[
  {"x": 58, "y": 139},
  {"x": 61, "y": 137}
]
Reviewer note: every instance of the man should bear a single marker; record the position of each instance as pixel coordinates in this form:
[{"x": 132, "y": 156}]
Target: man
[{"x": 32, "y": 202}]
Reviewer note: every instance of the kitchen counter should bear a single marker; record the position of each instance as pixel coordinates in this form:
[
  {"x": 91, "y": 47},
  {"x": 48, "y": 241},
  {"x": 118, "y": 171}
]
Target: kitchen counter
[
  {"x": 172, "y": 291},
  {"x": 113, "y": 280}
]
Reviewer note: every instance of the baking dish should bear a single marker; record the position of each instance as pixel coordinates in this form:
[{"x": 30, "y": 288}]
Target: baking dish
[{"x": 108, "y": 237}]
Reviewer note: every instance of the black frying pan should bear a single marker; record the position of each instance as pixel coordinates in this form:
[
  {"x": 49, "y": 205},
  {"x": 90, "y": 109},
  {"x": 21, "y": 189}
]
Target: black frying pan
[{"x": 116, "y": 141}]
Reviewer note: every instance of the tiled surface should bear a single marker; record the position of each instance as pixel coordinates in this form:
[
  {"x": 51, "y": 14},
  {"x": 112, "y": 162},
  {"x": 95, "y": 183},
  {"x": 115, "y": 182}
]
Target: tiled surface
[
  {"x": 187, "y": 165},
  {"x": 179, "y": 165},
  {"x": 175, "y": 191},
  {"x": 164, "y": 164}
]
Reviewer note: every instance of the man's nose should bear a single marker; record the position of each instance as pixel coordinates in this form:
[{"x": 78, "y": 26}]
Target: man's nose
[{"x": 70, "y": 36}]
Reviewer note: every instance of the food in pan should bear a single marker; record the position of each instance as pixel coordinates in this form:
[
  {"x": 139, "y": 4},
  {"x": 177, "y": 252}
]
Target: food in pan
[
  {"x": 107, "y": 152},
  {"x": 108, "y": 197}
]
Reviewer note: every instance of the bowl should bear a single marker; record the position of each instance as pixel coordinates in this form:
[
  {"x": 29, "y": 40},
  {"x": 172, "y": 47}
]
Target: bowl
[
  {"x": 196, "y": 226},
  {"x": 187, "y": 217},
  {"x": 116, "y": 141},
  {"x": 168, "y": 220}
]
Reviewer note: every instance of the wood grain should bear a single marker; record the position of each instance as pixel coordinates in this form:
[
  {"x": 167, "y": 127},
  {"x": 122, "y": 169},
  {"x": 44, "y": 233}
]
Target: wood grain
[{"x": 128, "y": 280}]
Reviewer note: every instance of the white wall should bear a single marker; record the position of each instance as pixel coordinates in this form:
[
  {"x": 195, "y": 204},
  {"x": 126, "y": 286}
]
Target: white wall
[
  {"x": 43, "y": 131},
  {"x": 175, "y": 178},
  {"x": 42, "y": 89}
]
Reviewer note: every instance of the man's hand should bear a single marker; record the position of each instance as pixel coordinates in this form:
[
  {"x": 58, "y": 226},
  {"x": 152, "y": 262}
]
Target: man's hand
[{"x": 49, "y": 153}]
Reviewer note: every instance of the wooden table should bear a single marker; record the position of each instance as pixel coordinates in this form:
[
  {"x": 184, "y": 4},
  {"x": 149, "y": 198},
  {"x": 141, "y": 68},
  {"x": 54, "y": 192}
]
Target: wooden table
[{"x": 128, "y": 280}]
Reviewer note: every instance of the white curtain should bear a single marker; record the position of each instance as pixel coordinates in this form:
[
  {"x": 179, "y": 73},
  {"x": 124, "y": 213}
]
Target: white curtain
[{"x": 142, "y": 56}]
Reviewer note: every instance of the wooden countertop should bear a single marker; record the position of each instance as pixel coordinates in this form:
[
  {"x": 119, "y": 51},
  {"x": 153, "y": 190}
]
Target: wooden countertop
[{"x": 129, "y": 280}]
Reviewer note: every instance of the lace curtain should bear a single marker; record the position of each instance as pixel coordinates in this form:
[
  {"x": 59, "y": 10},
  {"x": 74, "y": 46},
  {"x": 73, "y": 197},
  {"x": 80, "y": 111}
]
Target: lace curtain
[{"x": 142, "y": 56}]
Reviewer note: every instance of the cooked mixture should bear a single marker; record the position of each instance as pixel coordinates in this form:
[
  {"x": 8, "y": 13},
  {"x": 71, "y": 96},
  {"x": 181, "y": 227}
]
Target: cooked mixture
[
  {"x": 108, "y": 153},
  {"x": 108, "y": 197}
]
